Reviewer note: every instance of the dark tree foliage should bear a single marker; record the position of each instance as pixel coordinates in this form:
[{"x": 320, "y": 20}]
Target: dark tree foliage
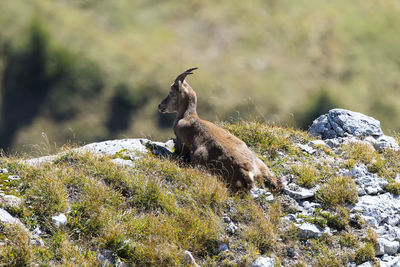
[{"x": 39, "y": 78}]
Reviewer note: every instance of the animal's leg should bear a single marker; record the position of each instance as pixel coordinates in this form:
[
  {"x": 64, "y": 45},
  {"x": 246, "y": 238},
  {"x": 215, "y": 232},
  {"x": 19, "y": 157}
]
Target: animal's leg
[{"x": 181, "y": 149}]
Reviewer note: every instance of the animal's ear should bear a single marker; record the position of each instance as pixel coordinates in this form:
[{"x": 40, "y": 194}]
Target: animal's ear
[{"x": 181, "y": 77}]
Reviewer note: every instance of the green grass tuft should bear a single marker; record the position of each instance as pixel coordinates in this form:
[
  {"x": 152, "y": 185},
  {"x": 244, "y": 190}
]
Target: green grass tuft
[{"x": 338, "y": 191}]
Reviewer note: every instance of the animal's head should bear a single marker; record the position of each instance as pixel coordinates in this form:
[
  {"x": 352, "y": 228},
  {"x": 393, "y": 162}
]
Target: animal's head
[{"x": 178, "y": 95}]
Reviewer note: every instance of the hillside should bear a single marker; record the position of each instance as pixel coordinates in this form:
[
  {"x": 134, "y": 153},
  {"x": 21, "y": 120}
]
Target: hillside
[
  {"x": 132, "y": 203},
  {"x": 93, "y": 70}
]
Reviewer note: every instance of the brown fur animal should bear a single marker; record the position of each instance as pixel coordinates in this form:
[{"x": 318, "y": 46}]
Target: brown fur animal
[{"x": 210, "y": 145}]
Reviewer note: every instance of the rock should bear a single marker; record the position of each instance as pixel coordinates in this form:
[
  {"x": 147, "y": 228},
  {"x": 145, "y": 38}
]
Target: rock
[
  {"x": 306, "y": 148},
  {"x": 309, "y": 207},
  {"x": 107, "y": 258},
  {"x": 112, "y": 147},
  {"x": 189, "y": 259},
  {"x": 297, "y": 192},
  {"x": 385, "y": 142},
  {"x": 11, "y": 201},
  {"x": 390, "y": 262},
  {"x": 341, "y": 122},
  {"x": 6, "y": 217},
  {"x": 263, "y": 262},
  {"x": 387, "y": 247},
  {"x": 37, "y": 242},
  {"x": 376, "y": 210},
  {"x": 14, "y": 177},
  {"x": 315, "y": 143},
  {"x": 367, "y": 183},
  {"x": 3, "y": 171},
  {"x": 292, "y": 253},
  {"x": 222, "y": 248},
  {"x": 289, "y": 204},
  {"x": 232, "y": 228},
  {"x": 258, "y": 192},
  {"x": 40, "y": 161},
  {"x": 365, "y": 264},
  {"x": 161, "y": 149},
  {"x": 59, "y": 220},
  {"x": 308, "y": 230}
]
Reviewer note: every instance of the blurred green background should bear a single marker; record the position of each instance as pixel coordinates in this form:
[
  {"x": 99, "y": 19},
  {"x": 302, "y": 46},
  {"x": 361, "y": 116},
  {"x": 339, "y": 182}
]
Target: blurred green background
[{"x": 88, "y": 70}]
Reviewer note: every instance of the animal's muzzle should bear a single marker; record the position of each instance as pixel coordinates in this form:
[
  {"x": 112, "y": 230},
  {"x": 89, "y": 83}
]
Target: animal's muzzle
[{"x": 161, "y": 108}]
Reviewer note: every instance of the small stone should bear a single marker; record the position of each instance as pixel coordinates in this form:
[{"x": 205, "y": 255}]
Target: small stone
[
  {"x": 386, "y": 142},
  {"x": 263, "y": 262},
  {"x": 390, "y": 261},
  {"x": 37, "y": 242},
  {"x": 189, "y": 259},
  {"x": 258, "y": 192},
  {"x": 6, "y": 217},
  {"x": 292, "y": 253},
  {"x": 306, "y": 148},
  {"x": 222, "y": 248},
  {"x": 297, "y": 192},
  {"x": 289, "y": 204},
  {"x": 14, "y": 177},
  {"x": 37, "y": 231},
  {"x": 59, "y": 220},
  {"x": 361, "y": 191},
  {"x": 3, "y": 171},
  {"x": 387, "y": 247},
  {"x": 11, "y": 201},
  {"x": 308, "y": 230},
  {"x": 315, "y": 143},
  {"x": 359, "y": 170},
  {"x": 106, "y": 258},
  {"x": 333, "y": 143},
  {"x": 232, "y": 228}
]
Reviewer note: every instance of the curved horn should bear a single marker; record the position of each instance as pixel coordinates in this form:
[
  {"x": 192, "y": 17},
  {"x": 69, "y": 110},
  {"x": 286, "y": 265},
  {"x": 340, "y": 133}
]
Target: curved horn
[{"x": 183, "y": 75}]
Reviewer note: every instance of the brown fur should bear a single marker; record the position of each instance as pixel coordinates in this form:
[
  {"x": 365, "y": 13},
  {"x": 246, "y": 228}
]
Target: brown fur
[{"x": 211, "y": 146}]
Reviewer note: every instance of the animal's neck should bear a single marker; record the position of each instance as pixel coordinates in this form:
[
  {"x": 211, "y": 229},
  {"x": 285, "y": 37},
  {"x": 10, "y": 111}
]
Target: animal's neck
[{"x": 186, "y": 110}]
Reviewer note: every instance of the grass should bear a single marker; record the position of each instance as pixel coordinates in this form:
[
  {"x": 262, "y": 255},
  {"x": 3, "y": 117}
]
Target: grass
[
  {"x": 365, "y": 253},
  {"x": 338, "y": 191},
  {"x": 267, "y": 140},
  {"x": 17, "y": 250},
  {"x": 146, "y": 215},
  {"x": 308, "y": 175}
]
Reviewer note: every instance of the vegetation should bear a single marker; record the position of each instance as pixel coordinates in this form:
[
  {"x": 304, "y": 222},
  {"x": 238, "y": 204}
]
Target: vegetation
[
  {"x": 149, "y": 214},
  {"x": 89, "y": 70},
  {"x": 338, "y": 191}
]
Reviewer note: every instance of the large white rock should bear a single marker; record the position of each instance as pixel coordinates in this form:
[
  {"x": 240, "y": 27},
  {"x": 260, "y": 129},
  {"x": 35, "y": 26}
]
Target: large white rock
[
  {"x": 341, "y": 122},
  {"x": 112, "y": 147}
]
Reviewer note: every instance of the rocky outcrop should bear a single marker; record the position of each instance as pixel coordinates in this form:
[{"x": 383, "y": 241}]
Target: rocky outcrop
[{"x": 341, "y": 123}]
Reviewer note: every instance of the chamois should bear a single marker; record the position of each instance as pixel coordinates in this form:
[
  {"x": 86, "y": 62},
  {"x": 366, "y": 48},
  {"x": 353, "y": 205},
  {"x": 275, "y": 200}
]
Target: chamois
[{"x": 211, "y": 146}]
